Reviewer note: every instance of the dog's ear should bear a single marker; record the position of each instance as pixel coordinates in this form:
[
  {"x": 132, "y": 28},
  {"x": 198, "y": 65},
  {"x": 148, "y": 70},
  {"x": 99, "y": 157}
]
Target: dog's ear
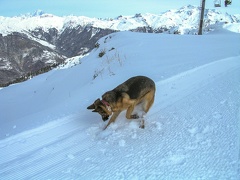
[
  {"x": 95, "y": 103},
  {"x": 91, "y": 106},
  {"x": 98, "y": 101}
]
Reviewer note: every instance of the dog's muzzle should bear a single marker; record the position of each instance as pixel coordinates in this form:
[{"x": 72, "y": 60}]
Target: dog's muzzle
[{"x": 105, "y": 118}]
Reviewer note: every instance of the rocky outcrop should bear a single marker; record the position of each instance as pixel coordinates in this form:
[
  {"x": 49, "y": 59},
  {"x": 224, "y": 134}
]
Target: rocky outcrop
[
  {"x": 21, "y": 56},
  {"x": 80, "y": 40}
]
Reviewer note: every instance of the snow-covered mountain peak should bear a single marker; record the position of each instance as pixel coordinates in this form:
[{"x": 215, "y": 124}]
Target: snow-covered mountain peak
[
  {"x": 188, "y": 7},
  {"x": 38, "y": 12},
  {"x": 185, "y": 19}
]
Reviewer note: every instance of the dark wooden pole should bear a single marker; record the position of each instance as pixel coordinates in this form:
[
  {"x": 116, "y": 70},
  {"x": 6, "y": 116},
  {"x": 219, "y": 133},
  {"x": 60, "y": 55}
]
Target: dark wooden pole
[{"x": 201, "y": 18}]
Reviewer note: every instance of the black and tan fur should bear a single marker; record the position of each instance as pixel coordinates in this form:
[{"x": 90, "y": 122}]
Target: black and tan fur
[{"x": 139, "y": 90}]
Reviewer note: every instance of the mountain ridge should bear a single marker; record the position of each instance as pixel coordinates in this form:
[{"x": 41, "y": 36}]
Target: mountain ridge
[
  {"x": 71, "y": 36},
  {"x": 183, "y": 16}
]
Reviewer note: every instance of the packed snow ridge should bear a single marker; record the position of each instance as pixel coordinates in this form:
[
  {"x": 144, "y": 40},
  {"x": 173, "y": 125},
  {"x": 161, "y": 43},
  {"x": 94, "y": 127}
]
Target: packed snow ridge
[{"x": 185, "y": 19}]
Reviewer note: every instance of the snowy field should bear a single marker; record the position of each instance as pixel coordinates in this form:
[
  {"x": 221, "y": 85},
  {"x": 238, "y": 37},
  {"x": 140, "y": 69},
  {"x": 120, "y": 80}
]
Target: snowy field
[{"x": 192, "y": 131}]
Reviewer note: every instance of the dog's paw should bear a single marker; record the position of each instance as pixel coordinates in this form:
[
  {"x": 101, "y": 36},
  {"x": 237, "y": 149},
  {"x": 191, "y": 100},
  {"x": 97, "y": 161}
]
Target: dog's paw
[
  {"x": 134, "y": 116},
  {"x": 142, "y": 126}
]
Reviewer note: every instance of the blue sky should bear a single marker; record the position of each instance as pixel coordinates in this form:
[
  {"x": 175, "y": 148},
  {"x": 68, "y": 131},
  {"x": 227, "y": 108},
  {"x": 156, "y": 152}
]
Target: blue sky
[{"x": 99, "y": 8}]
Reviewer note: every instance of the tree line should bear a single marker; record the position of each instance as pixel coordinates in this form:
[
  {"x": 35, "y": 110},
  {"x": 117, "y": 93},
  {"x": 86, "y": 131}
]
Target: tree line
[{"x": 31, "y": 74}]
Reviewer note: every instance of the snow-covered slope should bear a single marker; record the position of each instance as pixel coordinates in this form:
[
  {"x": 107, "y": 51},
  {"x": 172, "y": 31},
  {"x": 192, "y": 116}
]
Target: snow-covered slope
[{"x": 192, "y": 130}]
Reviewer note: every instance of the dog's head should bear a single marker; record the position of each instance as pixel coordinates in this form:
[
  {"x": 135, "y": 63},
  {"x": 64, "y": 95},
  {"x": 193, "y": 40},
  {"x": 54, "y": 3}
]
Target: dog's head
[{"x": 99, "y": 107}]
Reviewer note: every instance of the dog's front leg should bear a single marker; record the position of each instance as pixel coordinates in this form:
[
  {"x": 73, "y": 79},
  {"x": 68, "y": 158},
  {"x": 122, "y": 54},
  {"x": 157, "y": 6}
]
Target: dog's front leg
[{"x": 113, "y": 118}]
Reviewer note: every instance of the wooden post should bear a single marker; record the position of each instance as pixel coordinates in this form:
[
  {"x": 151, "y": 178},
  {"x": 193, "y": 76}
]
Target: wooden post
[{"x": 201, "y": 18}]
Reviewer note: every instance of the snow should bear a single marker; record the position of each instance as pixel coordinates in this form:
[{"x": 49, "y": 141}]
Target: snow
[
  {"x": 235, "y": 27},
  {"x": 23, "y": 23},
  {"x": 187, "y": 18},
  {"x": 191, "y": 132},
  {"x": 44, "y": 43},
  {"x": 7, "y": 65},
  {"x": 73, "y": 61}
]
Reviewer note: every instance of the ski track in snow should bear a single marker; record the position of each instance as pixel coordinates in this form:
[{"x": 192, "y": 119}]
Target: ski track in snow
[{"x": 172, "y": 141}]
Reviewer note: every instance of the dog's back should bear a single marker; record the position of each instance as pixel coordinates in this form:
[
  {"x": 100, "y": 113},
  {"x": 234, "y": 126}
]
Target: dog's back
[{"x": 136, "y": 87}]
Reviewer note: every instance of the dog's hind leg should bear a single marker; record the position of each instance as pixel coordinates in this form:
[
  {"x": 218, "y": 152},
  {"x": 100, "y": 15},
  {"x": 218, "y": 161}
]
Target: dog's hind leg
[
  {"x": 113, "y": 118},
  {"x": 129, "y": 113},
  {"x": 146, "y": 105},
  {"x": 149, "y": 99},
  {"x": 142, "y": 125}
]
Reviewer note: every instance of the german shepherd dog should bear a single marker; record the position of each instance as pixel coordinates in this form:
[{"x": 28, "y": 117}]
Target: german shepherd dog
[{"x": 139, "y": 90}]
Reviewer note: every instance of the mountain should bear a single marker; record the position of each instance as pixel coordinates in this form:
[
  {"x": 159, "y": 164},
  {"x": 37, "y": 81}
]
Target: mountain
[
  {"x": 39, "y": 12},
  {"x": 66, "y": 37},
  {"x": 22, "y": 57},
  {"x": 191, "y": 131}
]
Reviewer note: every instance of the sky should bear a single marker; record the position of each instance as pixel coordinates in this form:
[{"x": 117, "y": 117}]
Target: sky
[{"x": 101, "y": 8}]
